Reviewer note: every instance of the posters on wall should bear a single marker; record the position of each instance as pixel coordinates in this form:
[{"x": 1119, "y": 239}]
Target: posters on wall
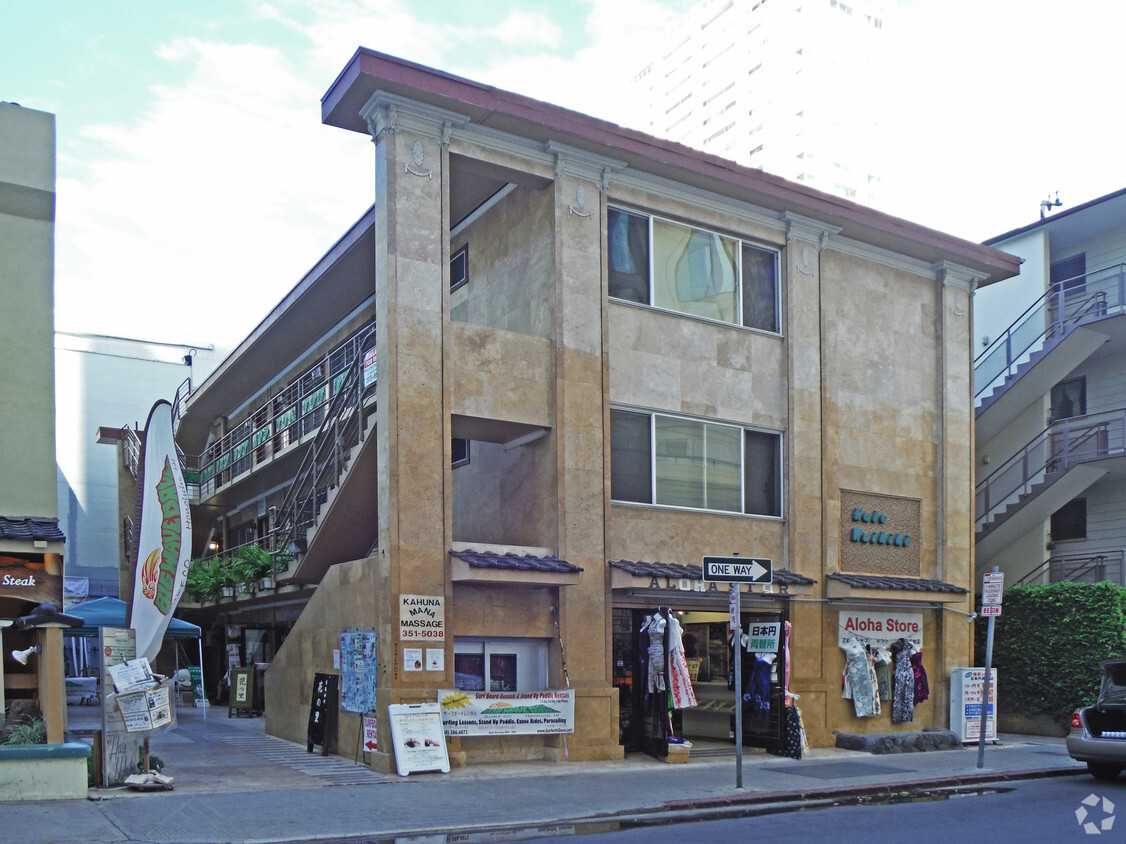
[
  {"x": 467, "y": 713},
  {"x": 358, "y": 670},
  {"x": 119, "y": 748}
]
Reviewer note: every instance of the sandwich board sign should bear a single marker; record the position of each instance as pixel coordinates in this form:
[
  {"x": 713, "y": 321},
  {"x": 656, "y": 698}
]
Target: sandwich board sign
[{"x": 416, "y": 733}]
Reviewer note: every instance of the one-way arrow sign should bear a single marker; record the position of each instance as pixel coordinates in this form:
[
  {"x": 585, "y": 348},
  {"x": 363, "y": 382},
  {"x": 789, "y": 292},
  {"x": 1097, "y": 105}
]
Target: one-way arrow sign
[{"x": 738, "y": 569}]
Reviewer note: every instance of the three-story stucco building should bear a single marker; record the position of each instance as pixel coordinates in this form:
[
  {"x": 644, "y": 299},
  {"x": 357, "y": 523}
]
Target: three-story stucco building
[{"x": 553, "y": 366}]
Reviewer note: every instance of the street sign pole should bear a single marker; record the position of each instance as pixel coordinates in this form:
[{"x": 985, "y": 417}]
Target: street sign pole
[
  {"x": 737, "y": 652},
  {"x": 988, "y": 677},
  {"x": 735, "y": 571}
]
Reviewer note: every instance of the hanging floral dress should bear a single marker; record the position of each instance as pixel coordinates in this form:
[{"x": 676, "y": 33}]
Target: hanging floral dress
[
  {"x": 680, "y": 683},
  {"x": 903, "y": 688},
  {"x": 860, "y": 675}
]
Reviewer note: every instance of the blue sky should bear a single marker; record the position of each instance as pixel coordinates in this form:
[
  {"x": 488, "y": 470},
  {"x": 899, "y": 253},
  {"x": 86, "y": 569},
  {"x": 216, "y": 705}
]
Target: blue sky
[{"x": 196, "y": 183}]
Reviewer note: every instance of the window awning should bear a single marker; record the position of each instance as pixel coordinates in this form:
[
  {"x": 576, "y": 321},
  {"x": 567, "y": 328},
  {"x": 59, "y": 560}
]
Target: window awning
[
  {"x": 884, "y": 587},
  {"x": 30, "y": 529},
  {"x": 492, "y": 566}
]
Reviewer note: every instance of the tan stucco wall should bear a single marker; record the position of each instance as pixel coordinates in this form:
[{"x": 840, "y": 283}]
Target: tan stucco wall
[
  {"x": 512, "y": 279},
  {"x": 345, "y": 599},
  {"x": 27, "y": 389}
]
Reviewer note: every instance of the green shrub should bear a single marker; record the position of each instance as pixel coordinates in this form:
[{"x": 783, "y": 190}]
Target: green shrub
[{"x": 1048, "y": 642}]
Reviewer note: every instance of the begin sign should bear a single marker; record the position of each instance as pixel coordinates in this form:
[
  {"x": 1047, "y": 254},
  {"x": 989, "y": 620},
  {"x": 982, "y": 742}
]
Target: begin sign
[{"x": 738, "y": 569}]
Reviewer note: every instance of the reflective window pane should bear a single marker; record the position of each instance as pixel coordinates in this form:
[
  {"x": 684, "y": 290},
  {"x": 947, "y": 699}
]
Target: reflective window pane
[{"x": 694, "y": 272}]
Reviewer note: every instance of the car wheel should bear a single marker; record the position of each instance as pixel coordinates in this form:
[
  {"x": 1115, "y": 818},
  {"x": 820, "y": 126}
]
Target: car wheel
[{"x": 1104, "y": 770}]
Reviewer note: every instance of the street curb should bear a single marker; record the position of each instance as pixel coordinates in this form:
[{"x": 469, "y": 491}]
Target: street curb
[{"x": 866, "y": 790}]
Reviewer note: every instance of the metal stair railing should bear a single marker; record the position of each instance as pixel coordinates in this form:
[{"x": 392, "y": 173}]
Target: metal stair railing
[
  {"x": 1065, "y": 305},
  {"x": 325, "y": 462},
  {"x": 1098, "y": 566},
  {"x": 1067, "y": 443}
]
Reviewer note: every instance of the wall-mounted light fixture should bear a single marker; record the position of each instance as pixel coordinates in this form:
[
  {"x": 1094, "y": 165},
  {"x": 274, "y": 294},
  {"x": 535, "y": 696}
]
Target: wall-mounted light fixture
[{"x": 23, "y": 656}]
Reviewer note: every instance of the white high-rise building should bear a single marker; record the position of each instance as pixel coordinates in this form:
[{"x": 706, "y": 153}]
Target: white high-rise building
[{"x": 787, "y": 86}]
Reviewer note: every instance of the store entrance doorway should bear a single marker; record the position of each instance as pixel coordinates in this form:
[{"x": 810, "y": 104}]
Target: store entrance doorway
[{"x": 646, "y": 719}]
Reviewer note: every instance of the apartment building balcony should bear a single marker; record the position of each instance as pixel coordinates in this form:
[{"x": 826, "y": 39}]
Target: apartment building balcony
[
  {"x": 1075, "y": 318},
  {"x": 264, "y": 450},
  {"x": 1055, "y": 466}
]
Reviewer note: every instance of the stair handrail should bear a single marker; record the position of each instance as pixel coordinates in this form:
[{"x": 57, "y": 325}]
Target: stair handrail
[
  {"x": 326, "y": 453},
  {"x": 1091, "y": 560},
  {"x": 1074, "y": 305},
  {"x": 1037, "y": 459}
]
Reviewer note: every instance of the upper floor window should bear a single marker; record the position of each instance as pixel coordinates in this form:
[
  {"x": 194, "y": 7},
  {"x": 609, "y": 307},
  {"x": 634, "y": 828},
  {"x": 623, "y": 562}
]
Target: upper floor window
[
  {"x": 459, "y": 268},
  {"x": 692, "y": 271},
  {"x": 680, "y": 462}
]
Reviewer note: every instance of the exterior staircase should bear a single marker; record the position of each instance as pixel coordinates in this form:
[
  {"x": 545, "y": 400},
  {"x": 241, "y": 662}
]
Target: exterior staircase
[
  {"x": 320, "y": 522},
  {"x": 1052, "y": 337},
  {"x": 1057, "y": 465}
]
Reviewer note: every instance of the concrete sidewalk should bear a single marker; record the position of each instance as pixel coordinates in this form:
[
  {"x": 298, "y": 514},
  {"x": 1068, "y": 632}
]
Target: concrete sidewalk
[{"x": 234, "y": 783}]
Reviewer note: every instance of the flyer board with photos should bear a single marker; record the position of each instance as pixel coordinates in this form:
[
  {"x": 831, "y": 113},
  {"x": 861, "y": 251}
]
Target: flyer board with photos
[{"x": 416, "y": 733}]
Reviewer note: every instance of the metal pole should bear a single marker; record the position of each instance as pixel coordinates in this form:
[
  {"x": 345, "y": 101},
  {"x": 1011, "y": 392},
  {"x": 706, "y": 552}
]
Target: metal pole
[
  {"x": 985, "y": 688},
  {"x": 738, "y": 653}
]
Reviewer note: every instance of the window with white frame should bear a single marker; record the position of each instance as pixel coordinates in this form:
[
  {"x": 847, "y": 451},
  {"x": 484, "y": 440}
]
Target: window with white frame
[
  {"x": 495, "y": 664},
  {"x": 692, "y": 271},
  {"x": 676, "y": 461}
]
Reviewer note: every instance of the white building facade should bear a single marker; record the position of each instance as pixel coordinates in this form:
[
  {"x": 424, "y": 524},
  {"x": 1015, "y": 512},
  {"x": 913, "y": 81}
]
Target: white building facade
[
  {"x": 783, "y": 86},
  {"x": 1050, "y": 401}
]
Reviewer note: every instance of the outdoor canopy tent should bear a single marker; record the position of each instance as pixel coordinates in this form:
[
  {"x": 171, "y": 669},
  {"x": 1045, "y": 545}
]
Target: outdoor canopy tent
[{"x": 110, "y": 612}]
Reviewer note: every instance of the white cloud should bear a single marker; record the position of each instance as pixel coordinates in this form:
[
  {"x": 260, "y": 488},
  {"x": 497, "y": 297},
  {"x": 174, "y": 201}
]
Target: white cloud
[
  {"x": 524, "y": 30},
  {"x": 194, "y": 221}
]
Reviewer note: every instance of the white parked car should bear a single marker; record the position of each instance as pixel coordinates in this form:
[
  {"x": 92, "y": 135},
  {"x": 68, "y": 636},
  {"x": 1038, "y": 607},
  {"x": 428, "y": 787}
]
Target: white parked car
[{"x": 1098, "y": 733}]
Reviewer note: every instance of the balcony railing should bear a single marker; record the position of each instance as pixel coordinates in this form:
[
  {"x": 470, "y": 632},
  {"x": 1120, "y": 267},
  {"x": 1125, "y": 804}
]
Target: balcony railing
[
  {"x": 341, "y": 430},
  {"x": 278, "y": 425},
  {"x": 1054, "y": 450},
  {"x": 1066, "y": 304},
  {"x": 1093, "y": 567}
]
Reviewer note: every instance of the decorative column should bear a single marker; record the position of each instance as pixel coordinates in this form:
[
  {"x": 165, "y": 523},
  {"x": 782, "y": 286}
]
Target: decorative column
[
  {"x": 811, "y": 434},
  {"x": 412, "y": 417},
  {"x": 580, "y": 430}
]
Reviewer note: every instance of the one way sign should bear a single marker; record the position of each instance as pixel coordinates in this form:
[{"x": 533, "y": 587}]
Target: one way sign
[{"x": 738, "y": 570}]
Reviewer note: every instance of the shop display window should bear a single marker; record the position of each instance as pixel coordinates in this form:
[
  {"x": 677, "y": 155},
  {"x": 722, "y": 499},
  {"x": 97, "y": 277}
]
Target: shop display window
[{"x": 500, "y": 664}]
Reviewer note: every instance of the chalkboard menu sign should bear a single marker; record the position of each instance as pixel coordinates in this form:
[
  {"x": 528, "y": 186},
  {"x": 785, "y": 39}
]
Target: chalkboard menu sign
[{"x": 322, "y": 712}]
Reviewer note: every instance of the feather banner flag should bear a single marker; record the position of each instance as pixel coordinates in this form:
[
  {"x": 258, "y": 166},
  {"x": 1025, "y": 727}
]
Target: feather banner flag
[{"x": 164, "y": 541}]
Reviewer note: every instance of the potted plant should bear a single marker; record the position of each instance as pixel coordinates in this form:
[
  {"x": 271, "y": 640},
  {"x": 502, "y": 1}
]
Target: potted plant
[
  {"x": 249, "y": 565},
  {"x": 205, "y": 579}
]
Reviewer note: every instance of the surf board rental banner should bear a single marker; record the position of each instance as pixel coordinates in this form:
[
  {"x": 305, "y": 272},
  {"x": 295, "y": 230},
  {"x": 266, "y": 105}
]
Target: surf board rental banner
[{"x": 164, "y": 541}]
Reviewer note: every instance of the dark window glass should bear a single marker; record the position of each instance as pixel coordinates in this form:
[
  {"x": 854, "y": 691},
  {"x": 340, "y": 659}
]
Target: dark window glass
[
  {"x": 1069, "y": 398},
  {"x": 459, "y": 268},
  {"x": 627, "y": 237},
  {"x": 760, "y": 288},
  {"x": 460, "y": 449},
  {"x": 1070, "y": 271},
  {"x": 631, "y": 468},
  {"x": 1070, "y": 521},
  {"x": 762, "y": 474}
]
